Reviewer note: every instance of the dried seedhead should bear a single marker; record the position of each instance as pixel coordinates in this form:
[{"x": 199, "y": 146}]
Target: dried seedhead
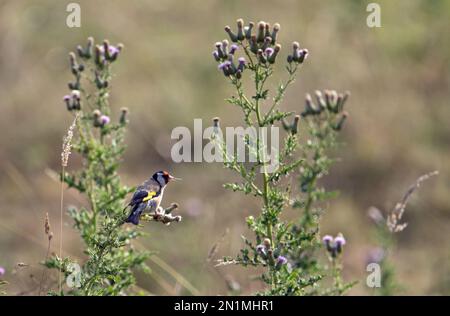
[
  {"x": 67, "y": 143},
  {"x": 395, "y": 216}
]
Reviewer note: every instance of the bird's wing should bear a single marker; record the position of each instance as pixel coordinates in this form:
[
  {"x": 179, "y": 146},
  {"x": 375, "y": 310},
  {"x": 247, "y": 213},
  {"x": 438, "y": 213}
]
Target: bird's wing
[{"x": 146, "y": 191}]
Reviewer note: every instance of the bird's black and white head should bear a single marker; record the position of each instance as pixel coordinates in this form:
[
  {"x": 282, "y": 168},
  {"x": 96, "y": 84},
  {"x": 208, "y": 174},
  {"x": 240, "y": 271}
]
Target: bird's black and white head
[{"x": 163, "y": 177}]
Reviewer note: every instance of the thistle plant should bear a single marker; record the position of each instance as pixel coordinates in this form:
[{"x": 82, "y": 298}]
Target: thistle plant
[
  {"x": 98, "y": 139},
  {"x": 285, "y": 249}
]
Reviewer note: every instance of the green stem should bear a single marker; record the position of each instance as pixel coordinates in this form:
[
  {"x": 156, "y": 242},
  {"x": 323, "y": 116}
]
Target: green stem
[{"x": 262, "y": 160}]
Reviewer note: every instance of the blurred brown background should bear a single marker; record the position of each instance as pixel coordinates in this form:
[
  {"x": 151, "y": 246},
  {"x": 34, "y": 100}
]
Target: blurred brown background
[{"x": 399, "y": 127}]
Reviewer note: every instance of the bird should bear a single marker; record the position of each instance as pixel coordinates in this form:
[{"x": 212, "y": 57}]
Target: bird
[{"x": 148, "y": 196}]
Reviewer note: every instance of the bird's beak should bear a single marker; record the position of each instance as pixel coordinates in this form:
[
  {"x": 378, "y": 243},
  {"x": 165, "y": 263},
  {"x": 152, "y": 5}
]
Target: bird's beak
[{"x": 173, "y": 178}]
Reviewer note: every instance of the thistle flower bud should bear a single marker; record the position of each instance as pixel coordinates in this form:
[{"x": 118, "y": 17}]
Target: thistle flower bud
[
  {"x": 266, "y": 44},
  {"x": 291, "y": 128},
  {"x": 233, "y": 49},
  {"x": 276, "y": 29},
  {"x": 99, "y": 56},
  {"x": 80, "y": 51},
  {"x": 267, "y": 243},
  {"x": 240, "y": 27},
  {"x": 225, "y": 67},
  {"x": 232, "y": 67},
  {"x": 72, "y": 59},
  {"x": 281, "y": 260},
  {"x": 96, "y": 114},
  {"x": 261, "y": 250},
  {"x": 342, "y": 98},
  {"x": 261, "y": 58},
  {"x": 341, "y": 121},
  {"x": 216, "y": 55},
  {"x": 261, "y": 32},
  {"x": 327, "y": 240},
  {"x": 233, "y": 37},
  {"x": 106, "y": 50},
  {"x": 332, "y": 98},
  {"x": 73, "y": 63},
  {"x": 219, "y": 50},
  {"x": 248, "y": 30},
  {"x": 320, "y": 100},
  {"x": 238, "y": 74},
  {"x": 267, "y": 30},
  {"x": 89, "y": 47},
  {"x": 271, "y": 59},
  {"x": 339, "y": 242},
  {"x": 67, "y": 99},
  {"x": 225, "y": 48},
  {"x": 241, "y": 64},
  {"x": 268, "y": 51},
  {"x": 242, "y": 61},
  {"x": 334, "y": 246},
  {"x": 298, "y": 55},
  {"x": 253, "y": 44},
  {"x": 100, "y": 83},
  {"x": 76, "y": 94},
  {"x": 123, "y": 116},
  {"x": 74, "y": 85},
  {"x": 303, "y": 55},
  {"x": 310, "y": 107},
  {"x": 114, "y": 52}
]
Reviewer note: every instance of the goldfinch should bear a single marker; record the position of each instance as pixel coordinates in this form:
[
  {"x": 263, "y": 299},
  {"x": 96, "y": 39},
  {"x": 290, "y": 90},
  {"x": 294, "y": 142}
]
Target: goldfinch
[{"x": 148, "y": 196}]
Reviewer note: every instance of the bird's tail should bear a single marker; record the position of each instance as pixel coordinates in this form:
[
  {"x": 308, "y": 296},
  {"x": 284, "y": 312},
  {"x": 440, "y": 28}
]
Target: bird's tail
[{"x": 135, "y": 214}]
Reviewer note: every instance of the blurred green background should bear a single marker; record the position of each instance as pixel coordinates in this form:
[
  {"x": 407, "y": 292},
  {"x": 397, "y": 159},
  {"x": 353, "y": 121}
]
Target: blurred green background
[{"x": 398, "y": 129}]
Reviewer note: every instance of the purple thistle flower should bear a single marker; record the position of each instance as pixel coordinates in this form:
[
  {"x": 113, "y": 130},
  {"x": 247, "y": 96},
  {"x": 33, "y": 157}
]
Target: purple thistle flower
[
  {"x": 327, "y": 239},
  {"x": 339, "y": 241},
  {"x": 2, "y": 271},
  {"x": 261, "y": 249},
  {"x": 216, "y": 55},
  {"x": 269, "y": 51},
  {"x": 113, "y": 50},
  {"x": 224, "y": 65},
  {"x": 281, "y": 260},
  {"x": 233, "y": 48},
  {"x": 66, "y": 97},
  {"x": 104, "y": 119},
  {"x": 241, "y": 65}
]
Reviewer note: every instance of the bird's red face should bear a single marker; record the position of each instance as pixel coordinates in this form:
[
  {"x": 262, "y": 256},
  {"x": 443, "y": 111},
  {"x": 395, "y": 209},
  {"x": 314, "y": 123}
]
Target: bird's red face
[
  {"x": 167, "y": 177},
  {"x": 163, "y": 177}
]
